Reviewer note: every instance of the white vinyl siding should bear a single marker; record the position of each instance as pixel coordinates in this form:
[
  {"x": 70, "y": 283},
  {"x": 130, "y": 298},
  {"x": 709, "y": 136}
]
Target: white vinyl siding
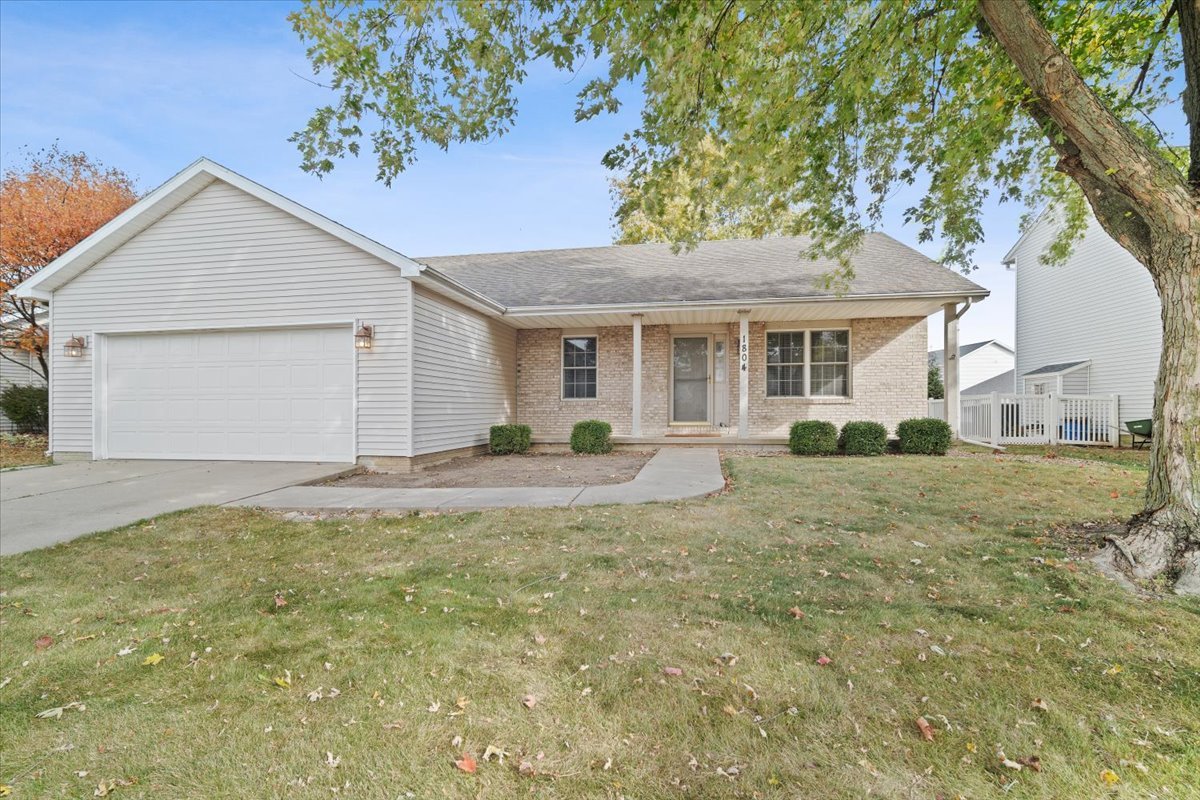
[
  {"x": 226, "y": 260},
  {"x": 464, "y": 374},
  {"x": 1100, "y": 305},
  {"x": 983, "y": 363}
]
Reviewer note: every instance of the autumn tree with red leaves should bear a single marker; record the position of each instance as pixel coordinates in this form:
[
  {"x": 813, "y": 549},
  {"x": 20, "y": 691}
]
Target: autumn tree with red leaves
[{"x": 49, "y": 203}]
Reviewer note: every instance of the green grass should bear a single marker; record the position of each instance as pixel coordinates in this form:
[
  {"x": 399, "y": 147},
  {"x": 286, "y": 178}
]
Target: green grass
[
  {"x": 1123, "y": 456},
  {"x": 583, "y": 609}
]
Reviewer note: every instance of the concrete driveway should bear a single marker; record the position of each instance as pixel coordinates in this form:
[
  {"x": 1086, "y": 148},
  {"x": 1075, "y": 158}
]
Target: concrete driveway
[{"x": 46, "y": 505}]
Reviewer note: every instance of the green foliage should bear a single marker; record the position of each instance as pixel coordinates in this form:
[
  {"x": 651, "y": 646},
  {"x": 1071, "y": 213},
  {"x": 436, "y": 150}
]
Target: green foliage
[
  {"x": 925, "y": 436},
  {"x": 937, "y": 390},
  {"x": 813, "y": 438},
  {"x": 506, "y": 439},
  {"x": 28, "y": 407},
  {"x": 591, "y": 436},
  {"x": 863, "y": 439},
  {"x": 768, "y": 116}
]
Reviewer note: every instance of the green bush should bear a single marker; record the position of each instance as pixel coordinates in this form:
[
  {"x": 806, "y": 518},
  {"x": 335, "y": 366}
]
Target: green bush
[
  {"x": 863, "y": 439},
  {"x": 813, "y": 438},
  {"x": 506, "y": 439},
  {"x": 28, "y": 407},
  {"x": 591, "y": 436},
  {"x": 925, "y": 435}
]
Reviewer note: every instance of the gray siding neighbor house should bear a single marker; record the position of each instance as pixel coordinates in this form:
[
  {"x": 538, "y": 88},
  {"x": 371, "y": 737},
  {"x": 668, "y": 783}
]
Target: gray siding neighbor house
[
  {"x": 1088, "y": 326},
  {"x": 220, "y": 320}
]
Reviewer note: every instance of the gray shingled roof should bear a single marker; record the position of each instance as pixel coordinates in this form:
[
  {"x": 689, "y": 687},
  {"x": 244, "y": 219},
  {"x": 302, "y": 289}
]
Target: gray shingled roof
[
  {"x": 735, "y": 269},
  {"x": 1051, "y": 369},
  {"x": 1004, "y": 382}
]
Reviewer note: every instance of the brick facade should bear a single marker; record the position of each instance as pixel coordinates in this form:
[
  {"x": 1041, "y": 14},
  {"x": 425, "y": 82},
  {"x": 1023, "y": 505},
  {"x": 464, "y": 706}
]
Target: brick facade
[{"x": 888, "y": 379}]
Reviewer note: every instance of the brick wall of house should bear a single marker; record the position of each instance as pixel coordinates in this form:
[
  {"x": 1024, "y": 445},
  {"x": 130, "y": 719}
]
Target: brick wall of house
[{"x": 888, "y": 380}]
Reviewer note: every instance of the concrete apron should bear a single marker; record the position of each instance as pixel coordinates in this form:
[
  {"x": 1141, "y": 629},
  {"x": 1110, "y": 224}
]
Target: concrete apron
[{"x": 673, "y": 473}]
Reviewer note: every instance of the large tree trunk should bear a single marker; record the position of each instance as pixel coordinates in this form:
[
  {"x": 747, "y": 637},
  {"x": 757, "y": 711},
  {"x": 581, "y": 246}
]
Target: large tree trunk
[{"x": 1164, "y": 540}]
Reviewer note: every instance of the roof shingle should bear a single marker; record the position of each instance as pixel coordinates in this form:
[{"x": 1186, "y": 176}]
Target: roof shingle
[{"x": 734, "y": 269}]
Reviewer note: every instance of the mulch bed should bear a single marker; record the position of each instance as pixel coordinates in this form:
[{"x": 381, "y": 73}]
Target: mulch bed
[{"x": 536, "y": 469}]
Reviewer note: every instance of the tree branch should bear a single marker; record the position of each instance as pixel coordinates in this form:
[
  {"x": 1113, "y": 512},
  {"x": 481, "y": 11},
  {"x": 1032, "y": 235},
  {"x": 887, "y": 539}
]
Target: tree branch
[
  {"x": 1140, "y": 80},
  {"x": 1103, "y": 147},
  {"x": 1189, "y": 32}
]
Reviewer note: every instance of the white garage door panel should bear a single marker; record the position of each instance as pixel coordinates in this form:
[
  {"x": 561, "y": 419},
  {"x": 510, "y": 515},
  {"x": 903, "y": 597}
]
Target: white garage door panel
[{"x": 273, "y": 395}]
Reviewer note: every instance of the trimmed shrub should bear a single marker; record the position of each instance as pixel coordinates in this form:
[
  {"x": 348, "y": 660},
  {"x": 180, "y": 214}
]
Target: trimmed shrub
[
  {"x": 591, "y": 436},
  {"x": 506, "y": 439},
  {"x": 925, "y": 435},
  {"x": 28, "y": 407},
  {"x": 863, "y": 439},
  {"x": 813, "y": 437}
]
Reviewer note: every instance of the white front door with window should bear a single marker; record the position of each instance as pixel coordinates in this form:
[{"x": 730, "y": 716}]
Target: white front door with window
[{"x": 253, "y": 395}]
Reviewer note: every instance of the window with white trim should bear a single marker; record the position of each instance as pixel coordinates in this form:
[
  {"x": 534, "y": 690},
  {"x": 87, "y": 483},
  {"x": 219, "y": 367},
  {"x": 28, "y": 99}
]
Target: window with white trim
[
  {"x": 579, "y": 367},
  {"x": 808, "y": 363}
]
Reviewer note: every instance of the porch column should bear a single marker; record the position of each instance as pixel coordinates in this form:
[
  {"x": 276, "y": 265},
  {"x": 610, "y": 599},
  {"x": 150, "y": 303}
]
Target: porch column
[
  {"x": 743, "y": 373},
  {"x": 636, "y": 426},
  {"x": 950, "y": 315}
]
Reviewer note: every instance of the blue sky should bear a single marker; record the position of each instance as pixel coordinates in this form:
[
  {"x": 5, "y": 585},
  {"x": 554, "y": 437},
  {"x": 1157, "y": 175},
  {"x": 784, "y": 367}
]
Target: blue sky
[{"x": 149, "y": 87}]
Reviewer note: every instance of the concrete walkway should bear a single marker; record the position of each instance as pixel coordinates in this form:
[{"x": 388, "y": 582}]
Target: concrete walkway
[
  {"x": 673, "y": 473},
  {"x": 46, "y": 505}
]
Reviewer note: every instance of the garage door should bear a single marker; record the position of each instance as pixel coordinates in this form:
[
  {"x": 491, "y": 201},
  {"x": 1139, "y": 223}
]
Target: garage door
[{"x": 256, "y": 395}]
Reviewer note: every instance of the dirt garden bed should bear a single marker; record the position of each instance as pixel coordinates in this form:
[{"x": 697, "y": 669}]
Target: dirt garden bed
[{"x": 540, "y": 469}]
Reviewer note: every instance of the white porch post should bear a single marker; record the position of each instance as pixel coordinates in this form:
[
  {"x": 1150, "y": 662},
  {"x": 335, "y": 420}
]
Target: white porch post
[
  {"x": 950, "y": 315},
  {"x": 636, "y": 426},
  {"x": 743, "y": 373}
]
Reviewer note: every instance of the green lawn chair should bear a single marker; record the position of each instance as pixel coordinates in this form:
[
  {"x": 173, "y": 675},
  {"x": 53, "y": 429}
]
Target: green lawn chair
[{"x": 1143, "y": 428}]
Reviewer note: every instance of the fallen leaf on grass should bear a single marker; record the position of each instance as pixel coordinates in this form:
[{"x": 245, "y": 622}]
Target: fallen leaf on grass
[
  {"x": 467, "y": 764},
  {"x": 1040, "y": 705},
  {"x": 42, "y": 642},
  {"x": 1115, "y": 669},
  {"x": 280, "y": 602},
  {"x": 152, "y": 659},
  {"x": 1008, "y": 762},
  {"x": 824, "y": 661},
  {"x": 492, "y": 751},
  {"x": 925, "y": 728},
  {"x": 1033, "y": 762},
  {"x": 672, "y": 671},
  {"x": 1110, "y": 778},
  {"x": 529, "y": 701},
  {"x": 796, "y": 612}
]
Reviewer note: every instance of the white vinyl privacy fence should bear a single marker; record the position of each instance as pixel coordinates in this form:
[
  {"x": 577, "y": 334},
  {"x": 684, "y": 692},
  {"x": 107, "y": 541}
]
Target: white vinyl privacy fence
[{"x": 1001, "y": 419}]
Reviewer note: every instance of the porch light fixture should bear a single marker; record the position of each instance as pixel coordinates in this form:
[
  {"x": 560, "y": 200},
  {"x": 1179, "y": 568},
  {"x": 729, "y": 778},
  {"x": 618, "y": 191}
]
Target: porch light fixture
[
  {"x": 363, "y": 337},
  {"x": 74, "y": 347}
]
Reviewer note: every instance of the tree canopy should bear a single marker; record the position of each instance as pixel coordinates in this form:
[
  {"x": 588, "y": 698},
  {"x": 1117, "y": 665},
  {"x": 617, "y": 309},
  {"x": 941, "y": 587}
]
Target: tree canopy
[{"x": 49, "y": 202}]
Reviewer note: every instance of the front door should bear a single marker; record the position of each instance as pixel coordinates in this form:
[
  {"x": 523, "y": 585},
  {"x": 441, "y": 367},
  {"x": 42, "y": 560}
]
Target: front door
[{"x": 690, "y": 379}]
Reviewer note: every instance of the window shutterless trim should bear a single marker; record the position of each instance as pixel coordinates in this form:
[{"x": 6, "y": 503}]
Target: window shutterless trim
[
  {"x": 808, "y": 396},
  {"x": 562, "y": 365}
]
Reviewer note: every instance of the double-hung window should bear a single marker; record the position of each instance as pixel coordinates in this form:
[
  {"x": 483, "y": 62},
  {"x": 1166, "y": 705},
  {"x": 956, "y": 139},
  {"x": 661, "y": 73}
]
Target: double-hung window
[
  {"x": 579, "y": 367},
  {"x": 808, "y": 363}
]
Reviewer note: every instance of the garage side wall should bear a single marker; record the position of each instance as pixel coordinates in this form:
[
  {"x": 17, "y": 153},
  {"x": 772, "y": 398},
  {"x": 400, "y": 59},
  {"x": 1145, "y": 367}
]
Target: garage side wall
[
  {"x": 464, "y": 374},
  {"x": 225, "y": 260}
]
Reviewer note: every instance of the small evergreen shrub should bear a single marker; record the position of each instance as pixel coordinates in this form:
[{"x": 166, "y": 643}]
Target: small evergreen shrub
[
  {"x": 863, "y": 439},
  {"x": 591, "y": 436},
  {"x": 28, "y": 407},
  {"x": 926, "y": 435},
  {"x": 813, "y": 437},
  {"x": 506, "y": 439}
]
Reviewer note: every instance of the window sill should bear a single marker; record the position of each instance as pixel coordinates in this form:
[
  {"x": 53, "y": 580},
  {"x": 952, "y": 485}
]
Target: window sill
[{"x": 815, "y": 401}]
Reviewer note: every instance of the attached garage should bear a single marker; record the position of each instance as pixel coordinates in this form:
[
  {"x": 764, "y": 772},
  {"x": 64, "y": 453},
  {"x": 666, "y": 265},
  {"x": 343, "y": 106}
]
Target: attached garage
[{"x": 263, "y": 395}]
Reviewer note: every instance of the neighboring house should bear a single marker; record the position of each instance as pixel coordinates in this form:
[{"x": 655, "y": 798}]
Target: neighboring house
[
  {"x": 15, "y": 371},
  {"x": 1002, "y": 383},
  {"x": 1088, "y": 326},
  {"x": 977, "y": 362},
  {"x": 220, "y": 320}
]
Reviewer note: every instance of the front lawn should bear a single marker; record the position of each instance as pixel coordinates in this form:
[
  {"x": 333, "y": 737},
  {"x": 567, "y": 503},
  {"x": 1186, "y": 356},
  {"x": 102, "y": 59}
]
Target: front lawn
[{"x": 778, "y": 641}]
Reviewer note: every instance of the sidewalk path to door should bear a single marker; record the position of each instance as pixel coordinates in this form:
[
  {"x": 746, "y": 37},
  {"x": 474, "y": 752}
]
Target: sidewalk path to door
[{"x": 673, "y": 473}]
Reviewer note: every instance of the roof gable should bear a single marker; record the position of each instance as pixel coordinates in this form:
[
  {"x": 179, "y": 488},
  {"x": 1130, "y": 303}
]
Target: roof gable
[{"x": 169, "y": 196}]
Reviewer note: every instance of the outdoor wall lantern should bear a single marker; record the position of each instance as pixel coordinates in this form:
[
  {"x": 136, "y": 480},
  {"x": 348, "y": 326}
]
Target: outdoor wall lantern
[
  {"x": 74, "y": 347},
  {"x": 363, "y": 337}
]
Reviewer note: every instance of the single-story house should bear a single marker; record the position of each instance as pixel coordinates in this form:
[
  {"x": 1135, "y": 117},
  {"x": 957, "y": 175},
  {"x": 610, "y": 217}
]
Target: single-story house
[
  {"x": 1001, "y": 384},
  {"x": 216, "y": 319}
]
